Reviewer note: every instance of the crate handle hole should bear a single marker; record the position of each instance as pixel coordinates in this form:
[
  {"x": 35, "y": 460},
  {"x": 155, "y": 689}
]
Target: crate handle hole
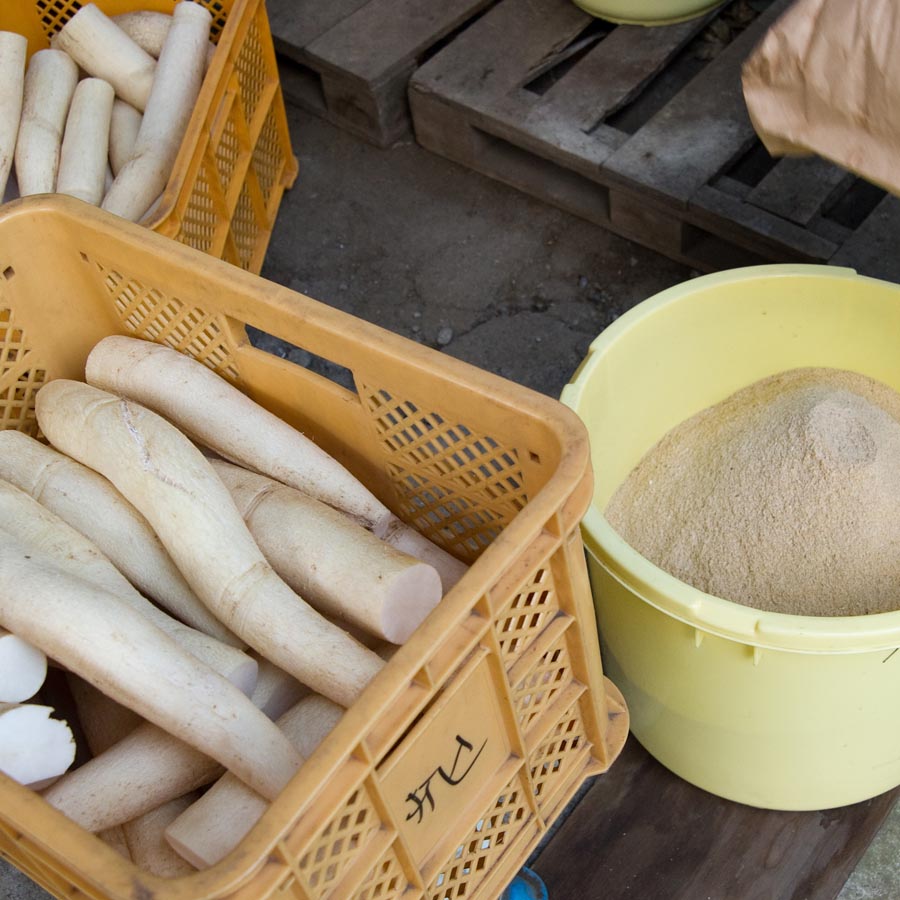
[
  {"x": 9, "y": 272},
  {"x": 319, "y": 365}
]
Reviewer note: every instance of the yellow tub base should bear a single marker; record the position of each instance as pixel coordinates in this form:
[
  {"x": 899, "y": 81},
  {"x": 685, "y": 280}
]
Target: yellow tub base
[{"x": 767, "y": 728}]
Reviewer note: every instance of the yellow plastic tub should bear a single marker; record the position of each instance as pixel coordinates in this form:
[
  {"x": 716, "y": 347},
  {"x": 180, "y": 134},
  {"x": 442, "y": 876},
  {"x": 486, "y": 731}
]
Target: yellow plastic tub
[
  {"x": 647, "y": 12},
  {"x": 777, "y": 711}
]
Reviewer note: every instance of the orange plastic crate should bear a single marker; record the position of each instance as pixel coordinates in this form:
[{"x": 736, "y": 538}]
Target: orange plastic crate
[
  {"x": 459, "y": 755},
  {"x": 235, "y": 161}
]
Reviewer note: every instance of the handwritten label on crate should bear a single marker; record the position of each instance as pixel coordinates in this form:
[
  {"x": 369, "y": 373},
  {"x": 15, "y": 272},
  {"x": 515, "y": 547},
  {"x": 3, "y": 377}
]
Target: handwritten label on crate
[{"x": 446, "y": 763}]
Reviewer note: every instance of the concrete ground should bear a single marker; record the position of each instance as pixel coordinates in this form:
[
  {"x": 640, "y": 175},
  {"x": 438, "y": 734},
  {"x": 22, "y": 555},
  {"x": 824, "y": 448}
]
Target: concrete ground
[
  {"x": 441, "y": 255},
  {"x": 461, "y": 263}
]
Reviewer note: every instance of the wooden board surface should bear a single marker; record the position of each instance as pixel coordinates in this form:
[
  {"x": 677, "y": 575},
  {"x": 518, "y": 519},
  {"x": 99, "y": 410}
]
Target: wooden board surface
[
  {"x": 872, "y": 249},
  {"x": 350, "y": 60},
  {"x": 645, "y": 132},
  {"x": 797, "y": 189},
  {"x": 642, "y": 833},
  {"x": 296, "y": 23},
  {"x": 703, "y": 128}
]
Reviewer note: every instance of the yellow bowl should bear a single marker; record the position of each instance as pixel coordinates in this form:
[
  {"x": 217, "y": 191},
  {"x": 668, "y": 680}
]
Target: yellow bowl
[
  {"x": 649, "y": 12},
  {"x": 777, "y": 711}
]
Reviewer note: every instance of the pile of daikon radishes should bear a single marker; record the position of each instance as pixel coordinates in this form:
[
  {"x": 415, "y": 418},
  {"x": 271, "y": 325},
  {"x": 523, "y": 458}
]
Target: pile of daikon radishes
[
  {"x": 110, "y": 138},
  {"x": 215, "y": 586}
]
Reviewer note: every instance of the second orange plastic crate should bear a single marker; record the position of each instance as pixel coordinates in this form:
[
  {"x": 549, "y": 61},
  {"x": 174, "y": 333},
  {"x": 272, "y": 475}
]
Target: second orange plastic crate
[{"x": 235, "y": 161}]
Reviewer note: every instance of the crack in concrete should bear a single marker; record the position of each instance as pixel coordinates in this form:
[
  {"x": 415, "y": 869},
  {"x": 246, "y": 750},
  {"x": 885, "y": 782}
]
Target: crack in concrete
[{"x": 510, "y": 309}]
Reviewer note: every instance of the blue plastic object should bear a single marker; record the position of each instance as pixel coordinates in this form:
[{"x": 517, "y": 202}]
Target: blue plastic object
[{"x": 527, "y": 885}]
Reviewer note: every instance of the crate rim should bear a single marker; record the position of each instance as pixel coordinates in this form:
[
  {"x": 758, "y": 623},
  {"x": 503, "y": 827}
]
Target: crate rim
[{"x": 569, "y": 424}]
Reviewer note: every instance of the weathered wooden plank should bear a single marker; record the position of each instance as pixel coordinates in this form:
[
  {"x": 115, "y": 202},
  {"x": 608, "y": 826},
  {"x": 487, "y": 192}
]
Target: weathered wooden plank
[
  {"x": 614, "y": 71},
  {"x": 380, "y": 118},
  {"x": 386, "y": 37},
  {"x": 566, "y": 122},
  {"x": 688, "y": 236},
  {"x": 482, "y": 143},
  {"x": 352, "y": 59},
  {"x": 799, "y": 187},
  {"x": 296, "y": 23},
  {"x": 733, "y": 187},
  {"x": 302, "y": 86},
  {"x": 769, "y": 235},
  {"x": 503, "y": 51},
  {"x": 514, "y": 155},
  {"x": 441, "y": 126},
  {"x": 829, "y": 229},
  {"x": 643, "y": 222},
  {"x": 483, "y": 71},
  {"x": 700, "y": 131},
  {"x": 873, "y": 248},
  {"x": 641, "y": 832}
]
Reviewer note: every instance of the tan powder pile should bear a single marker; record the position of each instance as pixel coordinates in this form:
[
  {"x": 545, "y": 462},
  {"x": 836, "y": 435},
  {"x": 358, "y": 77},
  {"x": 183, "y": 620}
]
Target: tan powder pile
[{"x": 784, "y": 497}]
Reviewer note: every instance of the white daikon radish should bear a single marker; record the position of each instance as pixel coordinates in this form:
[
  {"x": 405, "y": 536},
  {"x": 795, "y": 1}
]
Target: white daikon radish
[
  {"x": 23, "y": 668},
  {"x": 219, "y": 820},
  {"x": 170, "y": 481},
  {"x": 176, "y": 86},
  {"x": 115, "y": 837},
  {"x": 149, "y": 848},
  {"x": 149, "y": 767},
  {"x": 276, "y": 691},
  {"x": 213, "y": 412},
  {"x": 34, "y": 749},
  {"x": 148, "y": 29},
  {"x": 85, "y": 145},
  {"x": 49, "y": 84},
  {"x": 103, "y": 50},
  {"x": 94, "y": 634},
  {"x": 339, "y": 567},
  {"x": 365, "y": 637},
  {"x": 407, "y": 540},
  {"x": 13, "y": 48},
  {"x": 93, "y": 507},
  {"x": 216, "y": 414},
  {"x": 123, "y": 130},
  {"x": 105, "y": 723},
  {"x": 40, "y": 529}
]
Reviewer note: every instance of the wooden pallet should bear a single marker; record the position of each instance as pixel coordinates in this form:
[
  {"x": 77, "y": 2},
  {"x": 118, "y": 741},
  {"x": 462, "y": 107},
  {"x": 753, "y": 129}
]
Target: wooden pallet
[
  {"x": 631, "y": 128},
  {"x": 642, "y": 832},
  {"x": 349, "y": 61}
]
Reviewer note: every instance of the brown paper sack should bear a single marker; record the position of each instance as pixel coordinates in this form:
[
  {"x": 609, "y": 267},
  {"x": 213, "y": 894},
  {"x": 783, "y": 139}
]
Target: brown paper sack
[{"x": 825, "y": 79}]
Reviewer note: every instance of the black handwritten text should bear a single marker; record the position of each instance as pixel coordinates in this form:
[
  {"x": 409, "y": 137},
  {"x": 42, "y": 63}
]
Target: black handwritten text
[{"x": 423, "y": 795}]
